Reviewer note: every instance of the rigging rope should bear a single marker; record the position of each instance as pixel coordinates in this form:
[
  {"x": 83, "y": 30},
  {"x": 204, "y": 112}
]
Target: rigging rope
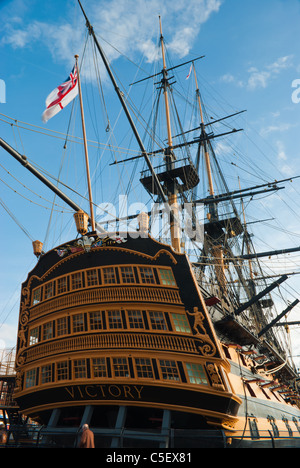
[
  {"x": 60, "y": 135},
  {"x": 15, "y": 220}
]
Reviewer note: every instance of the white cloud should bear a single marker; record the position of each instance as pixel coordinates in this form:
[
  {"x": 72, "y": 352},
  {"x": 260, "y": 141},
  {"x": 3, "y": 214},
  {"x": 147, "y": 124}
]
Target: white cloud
[
  {"x": 261, "y": 78},
  {"x": 280, "y": 64},
  {"x": 228, "y": 78},
  {"x": 281, "y": 156},
  {"x": 222, "y": 148},
  {"x": 8, "y": 336},
  {"x": 286, "y": 169},
  {"x": 258, "y": 79},
  {"x": 130, "y": 25},
  {"x": 283, "y": 127}
]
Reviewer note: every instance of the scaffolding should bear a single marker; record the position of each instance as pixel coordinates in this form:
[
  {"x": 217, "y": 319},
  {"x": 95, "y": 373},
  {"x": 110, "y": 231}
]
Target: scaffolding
[
  {"x": 7, "y": 384},
  {"x": 7, "y": 362}
]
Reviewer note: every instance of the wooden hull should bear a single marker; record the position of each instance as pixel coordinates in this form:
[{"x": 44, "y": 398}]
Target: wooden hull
[
  {"x": 122, "y": 324},
  {"x": 118, "y": 335}
]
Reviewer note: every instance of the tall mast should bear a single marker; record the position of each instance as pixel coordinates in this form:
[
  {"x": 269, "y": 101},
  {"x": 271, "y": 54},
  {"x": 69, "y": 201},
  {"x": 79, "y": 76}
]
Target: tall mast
[
  {"x": 85, "y": 149},
  {"x": 165, "y": 86},
  {"x": 123, "y": 103},
  {"x": 170, "y": 201},
  {"x": 216, "y": 246},
  {"x": 172, "y": 190},
  {"x": 202, "y": 126}
]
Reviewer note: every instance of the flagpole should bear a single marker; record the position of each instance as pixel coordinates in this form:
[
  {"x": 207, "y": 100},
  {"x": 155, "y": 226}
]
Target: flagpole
[{"x": 85, "y": 149}]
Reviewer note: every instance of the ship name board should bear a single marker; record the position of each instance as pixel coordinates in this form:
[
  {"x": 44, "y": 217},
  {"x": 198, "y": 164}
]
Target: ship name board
[{"x": 87, "y": 392}]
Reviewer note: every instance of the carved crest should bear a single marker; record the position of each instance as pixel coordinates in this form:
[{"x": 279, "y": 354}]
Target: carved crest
[{"x": 208, "y": 348}]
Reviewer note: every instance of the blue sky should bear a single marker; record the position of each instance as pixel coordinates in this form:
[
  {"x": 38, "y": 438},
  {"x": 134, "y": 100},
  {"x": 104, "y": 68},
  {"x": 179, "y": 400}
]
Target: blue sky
[{"x": 252, "y": 57}]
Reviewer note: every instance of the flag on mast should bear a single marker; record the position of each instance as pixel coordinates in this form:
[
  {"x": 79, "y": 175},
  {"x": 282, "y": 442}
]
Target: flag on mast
[
  {"x": 61, "y": 96},
  {"x": 189, "y": 72}
]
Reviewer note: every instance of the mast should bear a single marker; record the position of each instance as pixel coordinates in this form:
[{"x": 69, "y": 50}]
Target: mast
[
  {"x": 169, "y": 155},
  {"x": 165, "y": 87},
  {"x": 85, "y": 149},
  {"x": 217, "y": 248},
  {"x": 22, "y": 159},
  {"x": 202, "y": 126},
  {"x": 171, "y": 200},
  {"x": 123, "y": 103}
]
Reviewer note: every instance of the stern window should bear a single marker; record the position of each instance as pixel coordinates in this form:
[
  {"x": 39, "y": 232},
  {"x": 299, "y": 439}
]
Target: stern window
[
  {"x": 96, "y": 320},
  {"x": 80, "y": 369},
  {"x": 167, "y": 277},
  {"x": 76, "y": 280},
  {"x": 62, "y": 370},
  {"x": 135, "y": 318},
  {"x": 62, "y": 285},
  {"x": 147, "y": 275},
  {"x": 92, "y": 277},
  {"x": 144, "y": 368},
  {"x": 48, "y": 331},
  {"x": 46, "y": 374},
  {"x": 30, "y": 378},
  {"x": 169, "y": 370},
  {"x": 157, "y": 320},
  {"x": 196, "y": 374},
  {"x": 34, "y": 336},
  {"x": 37, "y": 296},
  {"x": 62, "y": 326},
  {"x": 120, "y": 367},
  {"x": 115, "y": 319},
  {"x": 78, "y": 323},
  {"x": 49, "y": 290},
  {"x": 99, "y": 367},
  {"x": 127, "y": 274},
  {"x": 181, "y": 323},
  {"x": 109, "y": 275}
]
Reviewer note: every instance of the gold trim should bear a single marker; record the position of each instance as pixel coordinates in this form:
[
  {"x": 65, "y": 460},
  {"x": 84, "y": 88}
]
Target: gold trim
[{"x": 113, "y": 248}]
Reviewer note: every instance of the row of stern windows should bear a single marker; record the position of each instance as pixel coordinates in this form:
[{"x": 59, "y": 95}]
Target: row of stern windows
[
  {"x": 117, "y": 368},
  {"x": 109, "y": 320},
  {"x": 93, "y": 277}
]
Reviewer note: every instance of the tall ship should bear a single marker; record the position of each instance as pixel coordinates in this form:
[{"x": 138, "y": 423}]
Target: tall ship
[{"x": 157, "y": 340}]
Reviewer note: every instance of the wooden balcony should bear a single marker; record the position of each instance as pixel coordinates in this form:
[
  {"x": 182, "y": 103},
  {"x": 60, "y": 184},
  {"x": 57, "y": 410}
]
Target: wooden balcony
[
  {"x": 113, "y": 341},
  {"x": 107, "y": 294}
]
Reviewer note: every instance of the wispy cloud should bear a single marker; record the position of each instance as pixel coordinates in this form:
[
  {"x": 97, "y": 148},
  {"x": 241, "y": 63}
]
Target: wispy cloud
[
  {"x": 283, "y": 160},
  {"x": 130, "y": 25},
  {"x": 282, "y": 127},
  {"x": 260, "y": 78},
  {"x": 281, "y": 156}
]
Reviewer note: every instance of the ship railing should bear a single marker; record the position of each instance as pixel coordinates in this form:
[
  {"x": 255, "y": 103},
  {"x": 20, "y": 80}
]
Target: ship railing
[
  {"x": 32, "y": 436},
  {"x": 107, "y": 295},
  {"x": 122, "y": 340},
  {"x": 69, "y": 437},
  {"x": 184, "y": 162}
]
